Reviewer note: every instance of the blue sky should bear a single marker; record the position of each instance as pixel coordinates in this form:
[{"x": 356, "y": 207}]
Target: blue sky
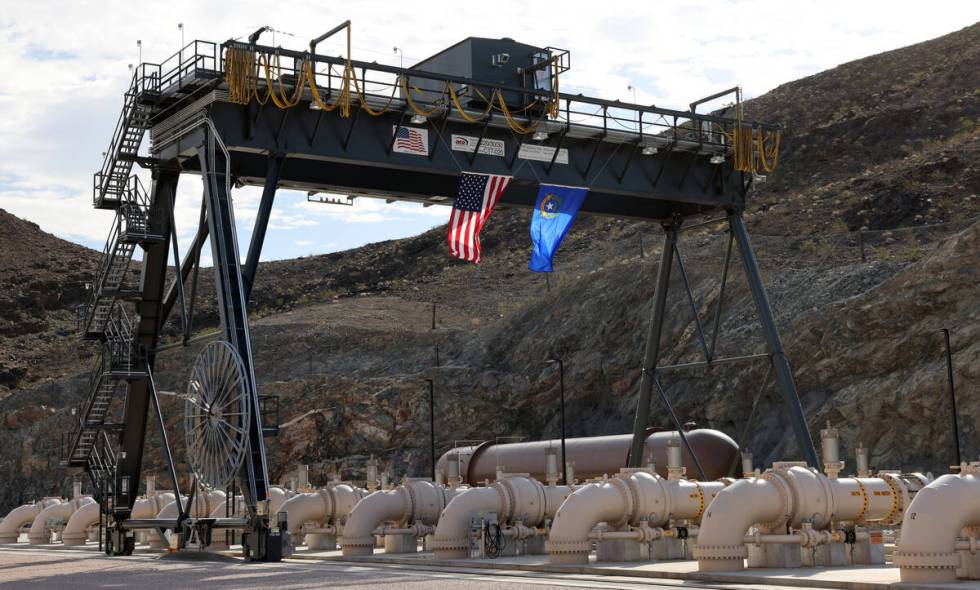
[{"x": 65, "y": 70}]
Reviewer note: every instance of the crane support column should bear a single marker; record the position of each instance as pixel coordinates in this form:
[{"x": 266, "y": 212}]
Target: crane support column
[
  {"x": 229, "y": 284},
  {"x": 784, "y": 377},
  {"x": 652, "y": 352}
]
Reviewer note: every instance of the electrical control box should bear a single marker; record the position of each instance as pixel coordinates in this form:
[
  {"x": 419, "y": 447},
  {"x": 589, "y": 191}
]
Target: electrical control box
[{"x": 499, "y": 62}]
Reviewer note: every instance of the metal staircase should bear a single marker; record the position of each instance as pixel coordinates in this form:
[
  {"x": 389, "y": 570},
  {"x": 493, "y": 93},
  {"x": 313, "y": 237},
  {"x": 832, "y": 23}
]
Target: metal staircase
[
  {"x": 111, "y": 182},
  {"x": 116, "y": 365},
  {"x": 132, "y": 227}
]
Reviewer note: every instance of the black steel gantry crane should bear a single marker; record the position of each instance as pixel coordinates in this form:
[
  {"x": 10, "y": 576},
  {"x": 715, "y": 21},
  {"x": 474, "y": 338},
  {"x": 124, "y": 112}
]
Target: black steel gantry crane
[{"x": 240, "y": 113}]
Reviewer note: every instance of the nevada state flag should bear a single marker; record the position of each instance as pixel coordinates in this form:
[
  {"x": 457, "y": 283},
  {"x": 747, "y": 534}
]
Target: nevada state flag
[{"x": 554, "y": 213}]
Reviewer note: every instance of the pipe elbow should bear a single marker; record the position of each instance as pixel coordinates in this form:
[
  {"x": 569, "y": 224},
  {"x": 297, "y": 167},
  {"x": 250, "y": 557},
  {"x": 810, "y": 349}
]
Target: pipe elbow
[
  {"x": 368, "y": 514},
  {"x": 76, "y": 531},
  {"x": 451, "y": 540},
  {"x": 39, "y": 533},
  {"x": 304, "y": 508},
  {"x": 926, "y": 551},
  {"x": 17, "y": 518},
  {"x": 720, "y": 545},
  {"x": 568, "y": 541}
]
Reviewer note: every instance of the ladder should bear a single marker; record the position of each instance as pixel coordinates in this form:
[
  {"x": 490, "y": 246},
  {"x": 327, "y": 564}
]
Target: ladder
[
  {"x": 116, "y": 365},
  {"x": 132, "y": 227},
  {"x": 111, "y": 181}
]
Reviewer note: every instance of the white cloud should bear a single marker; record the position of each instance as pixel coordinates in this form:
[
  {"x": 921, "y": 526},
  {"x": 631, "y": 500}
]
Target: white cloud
[{"x": 64, "y": 67}]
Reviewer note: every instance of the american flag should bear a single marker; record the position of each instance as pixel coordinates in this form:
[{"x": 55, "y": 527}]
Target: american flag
[
  {"x": 477, "y": 196},
  {"x": 410, "y": 140}
]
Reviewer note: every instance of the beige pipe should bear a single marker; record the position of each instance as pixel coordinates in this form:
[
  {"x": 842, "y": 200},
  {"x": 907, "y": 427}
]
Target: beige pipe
[
  {"x": 789, "y": 495},
  {"x": 721, "y": 544},
  {"x": 150, "y": 507},
  {"x": 204, "y": 504},
  {"x": 328, "y": 506},
  {"x": 513, "y": 497},
  {"x": 415, "y": 501},
  {"x": 926, "y": 551},
  {"x": 637, "y": 498},
  {"x": 39, "y": 533},
  {"x": 592, "y": 456},
  {"x": 76, "y": 531},
  {"x": 22, "y": 516},
  {"x": 277, "y": 497}
]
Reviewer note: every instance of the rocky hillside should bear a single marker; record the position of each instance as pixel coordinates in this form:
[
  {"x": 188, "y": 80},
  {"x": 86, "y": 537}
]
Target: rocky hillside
[{"x": 345, "y": 339}]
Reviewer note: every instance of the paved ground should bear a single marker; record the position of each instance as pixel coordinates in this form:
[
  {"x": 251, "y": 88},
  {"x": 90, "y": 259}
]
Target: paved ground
[{"x": 83, "y": 569}]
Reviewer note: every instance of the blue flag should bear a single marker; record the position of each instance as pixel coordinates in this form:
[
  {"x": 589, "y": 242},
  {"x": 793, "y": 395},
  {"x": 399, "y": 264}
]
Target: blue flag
[{"x": 553, "y": 216}]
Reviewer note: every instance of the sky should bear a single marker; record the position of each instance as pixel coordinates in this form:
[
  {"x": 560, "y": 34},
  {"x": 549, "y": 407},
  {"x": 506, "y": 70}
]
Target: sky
[{"x": 65, "y": 68}]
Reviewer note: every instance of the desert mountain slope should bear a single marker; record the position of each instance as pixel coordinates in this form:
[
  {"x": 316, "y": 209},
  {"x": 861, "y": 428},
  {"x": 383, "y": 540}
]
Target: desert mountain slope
[{"x": 345, "y": 339}]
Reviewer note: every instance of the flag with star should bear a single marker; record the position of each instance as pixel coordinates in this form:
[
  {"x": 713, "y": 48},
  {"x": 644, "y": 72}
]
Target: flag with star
[
  {"x": 477, "y": 196},
  {"x": 553, "y": 216}
]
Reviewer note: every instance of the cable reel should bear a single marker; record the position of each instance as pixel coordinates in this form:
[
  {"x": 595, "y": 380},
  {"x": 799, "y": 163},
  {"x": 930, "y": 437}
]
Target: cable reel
[{"x": 216, "y": 415}]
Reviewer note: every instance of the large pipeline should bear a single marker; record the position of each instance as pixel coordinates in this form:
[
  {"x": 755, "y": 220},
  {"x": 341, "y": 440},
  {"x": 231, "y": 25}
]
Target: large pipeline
[
  {"x": 928, "y": 550},
  {"x": 22, "y": 516},
  {"x": 414, "y": 505},
  {"x": 514, "y": 498},
  {"x": 782, "y": 498},
  {"x": 40, "y": 533},
  {"x": 592, "y": 457},
  {"x": 635, "y": 504},
  {"x": 76, "y": 530},
  {"x": 326, "y": 508}
]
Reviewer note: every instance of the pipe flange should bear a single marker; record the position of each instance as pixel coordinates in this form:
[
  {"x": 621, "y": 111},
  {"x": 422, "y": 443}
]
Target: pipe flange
[
  {"x": 899, "y": 498},
  {"x": 443, "y": 544},
  {"x": 709, "y": 552},
  {"x": 409, "y": 502},
  {"x": 508, "y": 500},
  {"x": 785, "y": 499},
  {"x": 926, "y": 561},
  {"x": 330, "y": 510},
  {"x": 864, "y": 501},
  {"x": 555, "y": 547},
  {"x": 357, "y": 542},
  {"x": 701, "y": 503},
  {"x": 625, "y": 490}
]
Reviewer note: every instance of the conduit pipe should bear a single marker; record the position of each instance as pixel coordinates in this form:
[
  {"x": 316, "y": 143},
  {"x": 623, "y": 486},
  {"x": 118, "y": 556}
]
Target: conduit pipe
[
  {"x": 277, "y": 497},
  {"x": 149, "y": 507},
  {"x": 205, "y": 502},
  {"x": 637, "y": 500},
  {"x": 592, "y": 457},
  {"x": 515, "y": 498},
  {"x": 326, "y": 508},
  {"x": 40, "y": 534},
  {"x": 787, "y": 495},
  {"x": 22, "y": 516},
  {"x": 416, "y": 501},
  {"x": 927, "y": 548},
  {"x": 76, "y": 531}
]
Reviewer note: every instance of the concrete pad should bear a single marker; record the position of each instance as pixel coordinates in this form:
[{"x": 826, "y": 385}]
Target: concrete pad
[{"x": 845, "y": 578}]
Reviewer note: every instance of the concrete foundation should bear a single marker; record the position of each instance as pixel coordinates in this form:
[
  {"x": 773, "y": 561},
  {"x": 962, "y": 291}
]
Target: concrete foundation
[
  {"x": 321, "y": 542},
  {"x": 401, "y": 544},
  {"x": 869, "y": 551},
  {"x": 665, "y": 549},
  {"x": 622, "y": 550},
  {"x": 774, "y": 556},
  {"x": 835, "y": 554}
]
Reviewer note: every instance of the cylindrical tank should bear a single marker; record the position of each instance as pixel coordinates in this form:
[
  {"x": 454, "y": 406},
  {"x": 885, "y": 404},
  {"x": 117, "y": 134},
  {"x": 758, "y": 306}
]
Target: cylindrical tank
[{"x": 593, "y": 456}]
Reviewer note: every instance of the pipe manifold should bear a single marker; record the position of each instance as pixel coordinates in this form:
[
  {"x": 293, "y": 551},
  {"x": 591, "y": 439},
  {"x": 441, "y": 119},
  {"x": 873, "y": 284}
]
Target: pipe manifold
[
  {"x": 22, "y": 516},
  {"x": 517, "y": 499},
  {"x": 787, "y": 496},
  {"x": 415, "y": 501},
  {"x": 631, "y": 502},
  {"x": 927, "y": 550}
]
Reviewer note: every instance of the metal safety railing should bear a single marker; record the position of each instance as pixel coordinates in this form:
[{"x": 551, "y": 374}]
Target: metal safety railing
[{"x": 378, "y": 88}]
